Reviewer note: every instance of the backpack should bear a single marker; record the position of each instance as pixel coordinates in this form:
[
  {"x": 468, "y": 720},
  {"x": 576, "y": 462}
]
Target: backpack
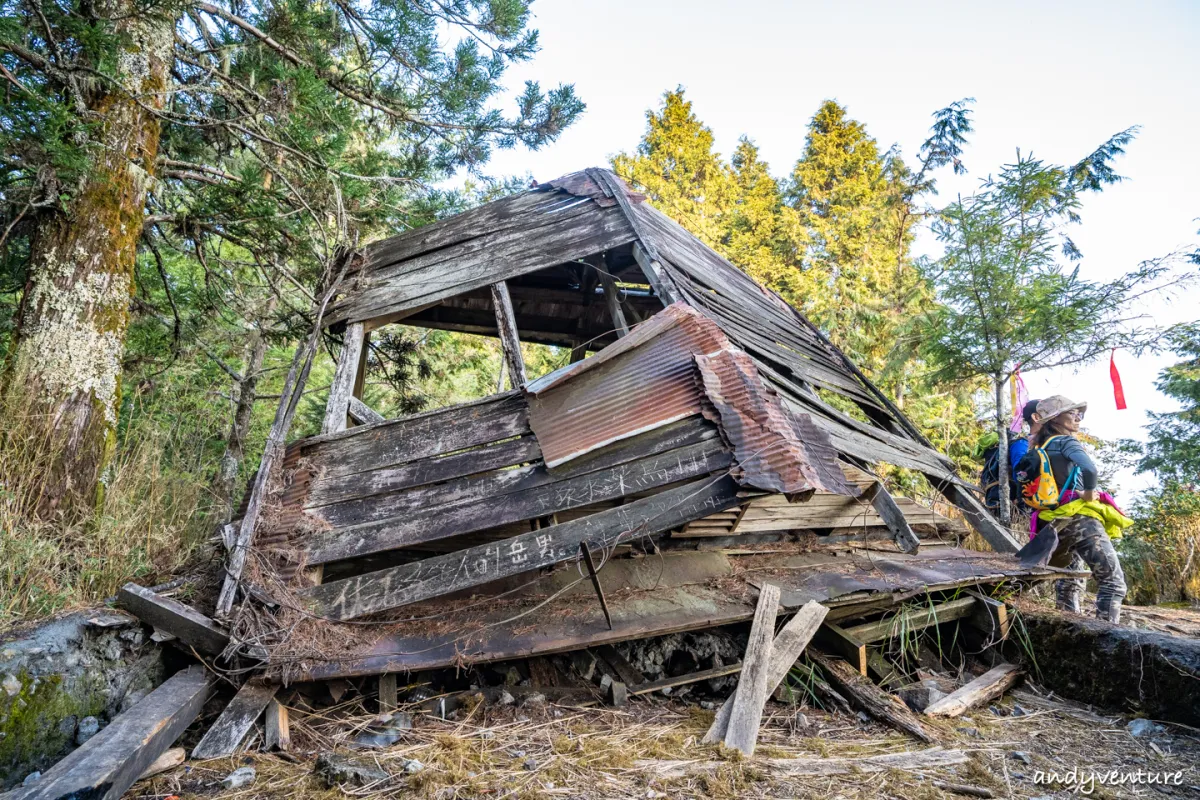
[
  {"x": 989, "y": 478},
  {"x": 1035, "y": 477}
]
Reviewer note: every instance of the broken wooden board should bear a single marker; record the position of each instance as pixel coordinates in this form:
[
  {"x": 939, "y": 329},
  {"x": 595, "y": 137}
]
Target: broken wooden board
[
  {"x": 277, "y": 731},
  {"x": 987, "y": 687},
  {"x": 788, "y": 645},
  {"x": 752, "y": 690},
  {"x": 105, "y": 766},
  {"x": 990, "y": 617},
  {"x": 169, "y": 615},
  {"x": 683, "y": 680},
  {"x": 841, "y": 642},
  {"x": 226, "y": 734},
  {"x": 879, "y": 704},
  {"x": 410, "y": 583},
  {"x": 913, "y": 762},
  {"x": 913, "y": 620}
]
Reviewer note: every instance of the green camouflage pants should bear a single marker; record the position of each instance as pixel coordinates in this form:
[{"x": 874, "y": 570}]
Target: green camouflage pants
[{"x": 1082, "y": 540}]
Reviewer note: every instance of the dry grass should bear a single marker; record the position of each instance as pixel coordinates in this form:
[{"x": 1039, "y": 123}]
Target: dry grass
[
  {"x": 149, "y": 525},
  {"x": 551, "y": 752}
]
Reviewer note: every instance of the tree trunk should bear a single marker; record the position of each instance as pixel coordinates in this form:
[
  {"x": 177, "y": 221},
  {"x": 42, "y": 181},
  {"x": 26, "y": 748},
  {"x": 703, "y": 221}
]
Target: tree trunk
[
  {"x": 235, "y": 444},
  {"x": 74, "y": 313},
  {"x": 1002, "y": 455}
]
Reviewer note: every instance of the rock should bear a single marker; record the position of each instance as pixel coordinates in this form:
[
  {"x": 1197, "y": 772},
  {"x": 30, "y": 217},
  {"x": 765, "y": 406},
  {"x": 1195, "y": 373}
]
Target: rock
[
  {"x": 242, "y": 776},
  {"x": 412, "y": 766},
  {"x": 708, "y": 705},
  {"x": 385, "y": 730},
  {"x": 67, "y": 727},
  {"x": 535, "y": 699},
  {"x": 12, "y": 686},
  {"x": 972, "y": 732},
  {"x": 337, "y": 770},
  {"x": 1022, "y": 756},
  {"x": 31, "y": 779},
  {"x": 1144, "y": 727},
  {"x": 1019, "y": 710},
  {"x": 864, "y": 717},
  {"x": 506, "y": 699},
  {"x": 530, "y": 764},
  {"x": 997, "y": 711},
  {"x": 88, "y": 727},
  {"x": 801, "y": 720}
]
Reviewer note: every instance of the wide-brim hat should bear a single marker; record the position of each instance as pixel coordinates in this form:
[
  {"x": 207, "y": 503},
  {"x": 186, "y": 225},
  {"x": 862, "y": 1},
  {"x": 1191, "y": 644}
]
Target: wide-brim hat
[{"x": 1056, "y": 406}]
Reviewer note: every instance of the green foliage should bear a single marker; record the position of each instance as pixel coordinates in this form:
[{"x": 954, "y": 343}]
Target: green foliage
[
  {"x": 1159, "y": 552},
  {"x": 1173, "y": 451}
]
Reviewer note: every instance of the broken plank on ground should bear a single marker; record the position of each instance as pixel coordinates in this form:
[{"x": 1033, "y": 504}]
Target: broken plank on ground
[
  {"x": 987, "y": 687},
  {"x": 105, "y": 766},
  {"x": 184, "y": 622},
  {"x": 752, "y": 689},
  {"x": 876, "y": 702},
  {"x": 227, "y": 733}
]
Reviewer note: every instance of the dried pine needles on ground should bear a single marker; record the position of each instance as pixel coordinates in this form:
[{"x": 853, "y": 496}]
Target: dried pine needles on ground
[{"x": 651, "y": 749}]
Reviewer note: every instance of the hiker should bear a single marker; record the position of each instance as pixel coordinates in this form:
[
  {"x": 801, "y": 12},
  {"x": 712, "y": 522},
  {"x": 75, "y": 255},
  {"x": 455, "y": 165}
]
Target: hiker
[
  {"x": 1071, "y": 527},
  {"x": 1018, "y": 445}
]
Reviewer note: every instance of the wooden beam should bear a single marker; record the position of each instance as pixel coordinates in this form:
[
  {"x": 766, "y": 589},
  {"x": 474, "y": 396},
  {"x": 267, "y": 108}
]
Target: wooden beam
[
  {"x": 933, "y": 758},
  {"x": 388, "y": 692},
  {"x": 893, "y": 517},
  {"x": 342, "y": 389},
  {"x": 105, "y": 766},
  {"x": 656, "y": 276},
  {"x": 752, "y": 689},
  {"x": 278, "y": 731},
  {"x": 361, "y": 413},
  {"x": 990, "y": 617},
  {"x": 184, "y": 622},
  {"x": 612, "y": 298},
  {"x": 913, "y": 620},
  {"x": 225, "y": 735},
  {"x": 682, "y": 680},
  {"x": 586, "y": 551},
  {"x": 987, "y": 687},
  {"x": 840, "y": 642},
  {"x": 410, "y": 583},
  {"x": 1001, "y": 540},
  {"x": 506, "y": 324},
  {"x": 787, "y": 647},
  {"x": 628, "y": 674},
  {"x": 880, "y": 705}
]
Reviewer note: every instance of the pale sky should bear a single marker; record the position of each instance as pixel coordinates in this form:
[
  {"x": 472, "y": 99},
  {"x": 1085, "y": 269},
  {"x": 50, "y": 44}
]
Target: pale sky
[{"x": 1053, "y": 78}]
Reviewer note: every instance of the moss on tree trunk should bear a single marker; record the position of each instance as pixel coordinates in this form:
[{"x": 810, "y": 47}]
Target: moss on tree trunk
[{"x": 75, "y": 311}]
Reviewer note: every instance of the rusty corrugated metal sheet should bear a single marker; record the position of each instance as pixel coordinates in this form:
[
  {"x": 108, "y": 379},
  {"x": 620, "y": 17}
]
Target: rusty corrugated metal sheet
[
  {"x": 676, "y": 364},
  {"x": 768, "y": 450},
  {"x": 641, "y": 382}
]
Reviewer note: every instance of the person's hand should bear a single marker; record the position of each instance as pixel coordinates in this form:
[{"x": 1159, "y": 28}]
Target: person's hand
[{"x": 1088, "y": 496}]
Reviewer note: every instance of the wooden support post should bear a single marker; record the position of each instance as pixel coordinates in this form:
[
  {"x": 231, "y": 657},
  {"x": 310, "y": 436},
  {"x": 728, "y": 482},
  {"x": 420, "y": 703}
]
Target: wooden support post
[
  {"x": 840, "y": 642},
  {"x": 786, "y": 648},
  {"x": 578, "y": 353},
  {"x": 337, "y": 407},
  {"x": 656, "y": 275},
  {"x": 105, "y": 766},
  {"x": 591, "y": 568},
  {"x": 227, "y": 733},
  {"x": 628, "y": 673},
  {"x": 879, "y": 704},
  {"x": 278, "y": 735},
  {"x": 987, "y": 687},
  {"x": 388, "y": 693},
  {"x": 885, "y": 506},
  {"x": 510, "y": 342},
  {"x": 914, "y": 620},
  {"x": 752, "y": 689},
  {"x": 612, "y": 298},
  {"x": 990, "y": 617}
]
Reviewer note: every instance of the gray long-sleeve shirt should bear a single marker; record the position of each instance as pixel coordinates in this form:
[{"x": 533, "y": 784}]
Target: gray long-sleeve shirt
[{"x": 1065, "y": 452}]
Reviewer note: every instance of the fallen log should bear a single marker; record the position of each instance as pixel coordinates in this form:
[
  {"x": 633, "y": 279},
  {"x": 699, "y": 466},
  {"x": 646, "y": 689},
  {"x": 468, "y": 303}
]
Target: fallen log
[
  {"x": 879, "y": 704},
  {"x": 988, "y": 686},
  {"x": 919, "y": 760},
  {"x": 105, "y": 766},
  {"x": 788, "y": 646}
]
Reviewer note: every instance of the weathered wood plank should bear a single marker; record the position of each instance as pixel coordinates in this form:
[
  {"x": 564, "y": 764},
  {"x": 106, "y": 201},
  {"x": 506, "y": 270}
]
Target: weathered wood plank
[
  {"x": 990, "y": 617},
  {"x": 913, "y": 620},
  {"x": 984, "y": 523},
  {"x": 885, "y": 505},
  {"x": 170, "y": 759},
  {"x": 388, "y": 692},
  {"x": 362, "y": 413},
  {"x": 337, "y": 406},
  {"x": 106, "y": 765},
  {"x": 226, "y": 734},
  {"x": 612, "y": 298},
  {"x": 682, "y": 680},
  {"x": 278, "y": 730},
  {"x": 184, "y": 622},
  {"x": 465, "y": 517},
  {"x": 789, "y": 644},
  {"x": 752, "y": 690},
  {"x": 933, "y": 758},
  {"x": 987, "y": 687},
  {"x": 418, "y": 436},
  {"x": 339, "y": 488},
  {"x": 656, "y": 275},
  {"x": 510, "y": 341},
  {"x": 486, "y": 487},
  {"x": 880, "y": 705},
  {"x": 409, "y": 583},
  {"x": 625, "y": 671}
]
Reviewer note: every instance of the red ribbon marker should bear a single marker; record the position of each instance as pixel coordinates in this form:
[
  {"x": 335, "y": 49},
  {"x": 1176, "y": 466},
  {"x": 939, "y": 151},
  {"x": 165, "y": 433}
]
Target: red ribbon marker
[{"x": 1118, "y": 390}]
